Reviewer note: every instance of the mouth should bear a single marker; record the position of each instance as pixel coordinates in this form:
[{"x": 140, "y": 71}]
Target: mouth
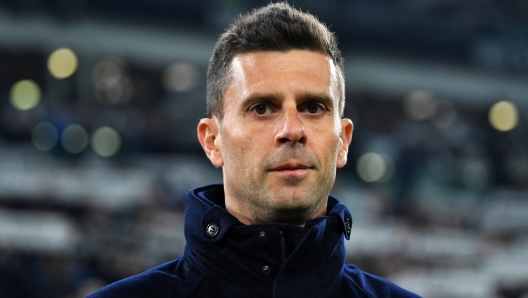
[{"x": 291, "y": 168}]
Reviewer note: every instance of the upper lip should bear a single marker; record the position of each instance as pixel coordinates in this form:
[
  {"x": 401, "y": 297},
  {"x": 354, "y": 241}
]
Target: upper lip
[{"x": 290, "y": 166}]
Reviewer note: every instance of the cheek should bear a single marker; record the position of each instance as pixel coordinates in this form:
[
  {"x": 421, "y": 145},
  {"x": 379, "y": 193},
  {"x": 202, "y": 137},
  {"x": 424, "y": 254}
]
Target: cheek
[
  {"x": 237, "y": 148},
  {"x": 332, "y": 149},
  {"x": 327, "y": 138}
]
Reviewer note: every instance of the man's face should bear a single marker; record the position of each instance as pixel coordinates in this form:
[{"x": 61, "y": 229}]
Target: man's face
[{"x": 281, "y": 137}]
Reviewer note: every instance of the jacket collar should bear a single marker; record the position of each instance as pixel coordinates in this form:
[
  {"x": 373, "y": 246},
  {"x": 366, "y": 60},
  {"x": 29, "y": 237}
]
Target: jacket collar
[{"x": 229, "y": 250}]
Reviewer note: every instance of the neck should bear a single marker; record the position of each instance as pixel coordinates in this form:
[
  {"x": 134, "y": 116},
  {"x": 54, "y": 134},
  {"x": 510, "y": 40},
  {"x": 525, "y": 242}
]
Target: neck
[{"x": 256, "y": 215}]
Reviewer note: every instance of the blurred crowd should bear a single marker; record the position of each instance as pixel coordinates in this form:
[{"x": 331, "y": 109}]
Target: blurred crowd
[{"x": 450, "y": 185}]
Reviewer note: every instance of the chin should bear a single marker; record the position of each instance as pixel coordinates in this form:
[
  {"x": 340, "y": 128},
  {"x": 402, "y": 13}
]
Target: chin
[{"x": 296, "y": 212}]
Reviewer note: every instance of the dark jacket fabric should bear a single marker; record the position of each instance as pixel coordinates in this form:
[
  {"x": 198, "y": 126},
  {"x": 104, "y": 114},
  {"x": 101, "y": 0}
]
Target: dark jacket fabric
[{"x": 225, "y": 258}]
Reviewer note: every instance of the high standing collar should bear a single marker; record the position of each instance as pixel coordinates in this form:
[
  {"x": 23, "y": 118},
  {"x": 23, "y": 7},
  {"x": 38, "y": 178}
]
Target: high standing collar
[{"x": 262, "y": 254}]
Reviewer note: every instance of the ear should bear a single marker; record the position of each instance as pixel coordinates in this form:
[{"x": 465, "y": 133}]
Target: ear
[
  {"x": 208, "y": 135},
  {"x": 347, "y": 127}
]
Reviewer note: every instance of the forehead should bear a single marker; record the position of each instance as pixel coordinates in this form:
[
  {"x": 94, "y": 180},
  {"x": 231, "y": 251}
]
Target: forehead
[
  {"x": 265, "y": 62},
  {"x": 268, "y": 71}
]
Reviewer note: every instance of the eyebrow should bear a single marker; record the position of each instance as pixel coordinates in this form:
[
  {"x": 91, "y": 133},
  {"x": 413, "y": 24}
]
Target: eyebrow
[
  {"x": 323, "y": 98},
  {"x": 261, "y": 97}
]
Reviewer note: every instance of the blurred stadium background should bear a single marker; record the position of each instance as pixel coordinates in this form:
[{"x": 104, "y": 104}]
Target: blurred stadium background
[{"x": 99, "y": 101}]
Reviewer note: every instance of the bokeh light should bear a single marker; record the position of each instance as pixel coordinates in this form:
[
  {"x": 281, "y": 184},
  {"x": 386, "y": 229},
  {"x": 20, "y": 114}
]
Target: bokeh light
[
  {"x": 74, "y": 139},
  {"x": 109, "y": 69},
  {"x": 62, "y": 63},
  {"x": 419, "y": 105},
  {"x": 180, "y": 77},
  {"x": 475, "y": 176},
  {"x": 106, "y": 141},
  {"x": 390, "y": 168},
  {"x": 503, "y": 116},
  {"x": 44, "y": 136},
  {"x": 112, "y": 86},
  {"x": 371, "y": 167},
  {"x": 445, "y": 114},
  {"x": 24, "y": 95}
]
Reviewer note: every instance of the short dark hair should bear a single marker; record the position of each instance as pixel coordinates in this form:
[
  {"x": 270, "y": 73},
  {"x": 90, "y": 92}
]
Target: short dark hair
[{"x": 275, "y": 27}]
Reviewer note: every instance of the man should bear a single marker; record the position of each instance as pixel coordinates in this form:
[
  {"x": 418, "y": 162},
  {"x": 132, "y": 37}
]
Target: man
[{"x": 275, "y": 96}]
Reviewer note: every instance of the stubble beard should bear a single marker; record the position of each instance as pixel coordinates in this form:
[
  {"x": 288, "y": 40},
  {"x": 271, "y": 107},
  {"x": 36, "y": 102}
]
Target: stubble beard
[
  {"x": 293, "y": 200},
  {"x": 276, "y": 205}
]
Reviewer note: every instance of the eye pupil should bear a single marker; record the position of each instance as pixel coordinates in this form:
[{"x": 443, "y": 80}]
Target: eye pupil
[
  {"x": 260, "y": 109},
  {"x": 312, "y": 108}
]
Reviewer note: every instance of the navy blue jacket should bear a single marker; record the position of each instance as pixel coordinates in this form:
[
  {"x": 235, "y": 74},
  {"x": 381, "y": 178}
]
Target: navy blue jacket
[{"x": 225, "y": 258}]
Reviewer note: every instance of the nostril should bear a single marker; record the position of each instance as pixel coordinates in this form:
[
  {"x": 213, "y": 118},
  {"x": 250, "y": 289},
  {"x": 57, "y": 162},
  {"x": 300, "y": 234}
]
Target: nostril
[
  {"x": 293, "y": 141},
  {"x": 292, "y": 133}
]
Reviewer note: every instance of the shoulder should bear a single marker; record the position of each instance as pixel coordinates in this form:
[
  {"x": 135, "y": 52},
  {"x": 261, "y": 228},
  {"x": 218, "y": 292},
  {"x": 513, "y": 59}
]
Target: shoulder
[
  {"x": 374, "y": 286},
  {"x": 172, "y": 279}
]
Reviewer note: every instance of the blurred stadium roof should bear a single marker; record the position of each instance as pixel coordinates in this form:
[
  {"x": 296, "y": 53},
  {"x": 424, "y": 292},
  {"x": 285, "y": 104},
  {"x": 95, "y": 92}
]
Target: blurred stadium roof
[{"x": 480, "y": 48}]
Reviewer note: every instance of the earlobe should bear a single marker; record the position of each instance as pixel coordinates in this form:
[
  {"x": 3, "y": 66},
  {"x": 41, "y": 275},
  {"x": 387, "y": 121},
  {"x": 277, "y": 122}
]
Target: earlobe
[
  {"x": 208, "y": 135},
  {"x": 347, "y": 127}
]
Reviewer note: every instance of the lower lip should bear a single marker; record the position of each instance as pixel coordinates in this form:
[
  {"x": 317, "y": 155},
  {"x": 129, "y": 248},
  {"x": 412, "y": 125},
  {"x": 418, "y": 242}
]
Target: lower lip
[{"x": 293, "y": 172}]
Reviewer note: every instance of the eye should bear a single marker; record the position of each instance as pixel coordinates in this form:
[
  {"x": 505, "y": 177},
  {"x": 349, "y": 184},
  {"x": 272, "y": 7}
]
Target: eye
[
  {"x": 261, "y": 109},
  {"x": 314, "y": 108}
]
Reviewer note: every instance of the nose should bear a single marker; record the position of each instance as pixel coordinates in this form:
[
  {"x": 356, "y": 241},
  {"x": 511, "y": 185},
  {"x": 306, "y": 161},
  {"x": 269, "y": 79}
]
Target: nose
[{"x": 291, "y": 129}]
